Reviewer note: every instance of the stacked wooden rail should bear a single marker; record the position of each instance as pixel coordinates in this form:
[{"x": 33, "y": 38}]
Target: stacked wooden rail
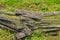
[{"x": 28, "y": 22}]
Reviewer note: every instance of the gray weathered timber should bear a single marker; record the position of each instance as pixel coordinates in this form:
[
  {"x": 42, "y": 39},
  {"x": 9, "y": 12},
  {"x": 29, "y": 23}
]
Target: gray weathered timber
[
  {"x": 6, "y": 12},
  {"x": 32, "y": 15},
  {"x": 28, "y": 22},
  {"x": 28, "y": 13},
  {"x": 10, "y": 23},
  {"x": 50, "y": 20}
]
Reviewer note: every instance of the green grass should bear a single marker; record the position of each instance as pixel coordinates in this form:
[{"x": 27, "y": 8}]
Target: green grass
[
  {"x": 6, "y": 34},
  {"x": 31, "y": 5},
  {"x": 38, "y": 35}
]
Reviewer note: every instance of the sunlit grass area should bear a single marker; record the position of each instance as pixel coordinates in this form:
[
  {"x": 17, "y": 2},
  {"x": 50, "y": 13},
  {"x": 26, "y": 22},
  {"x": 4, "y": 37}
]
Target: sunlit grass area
[
  {"x": 6, "y": 34},
  {"x": 38, "y": 35},
  {"x": 31, "y": 5}
]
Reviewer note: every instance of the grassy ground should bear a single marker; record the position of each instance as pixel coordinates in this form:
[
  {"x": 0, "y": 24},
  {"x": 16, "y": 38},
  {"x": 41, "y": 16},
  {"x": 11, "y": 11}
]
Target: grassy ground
[
  {"x": 31, "y": 5},
  {"x": 35, "y": 5}
]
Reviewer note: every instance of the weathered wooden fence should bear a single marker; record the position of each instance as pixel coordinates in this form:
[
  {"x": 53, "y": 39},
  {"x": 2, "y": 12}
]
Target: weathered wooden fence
[{"x": 27, "y": 22}]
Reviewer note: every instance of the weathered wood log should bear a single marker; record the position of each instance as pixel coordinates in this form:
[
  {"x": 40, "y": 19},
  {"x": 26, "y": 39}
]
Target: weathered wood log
[
  {"x": 6, "y": 18},
  {"x": 10, "y": 25},
  {"x": 29, "y": 14},
  {"x": 49, "y": 20},
  {"x": 6, "y": 12},
  {"x": 35, "y": 14}
]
